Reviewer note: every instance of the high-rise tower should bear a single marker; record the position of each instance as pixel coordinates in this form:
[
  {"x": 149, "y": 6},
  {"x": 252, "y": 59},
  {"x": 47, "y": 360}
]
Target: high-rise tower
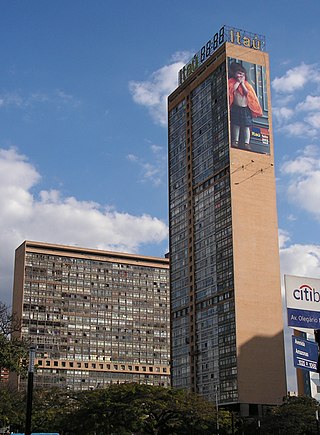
[{"x": 226, "y": 311}]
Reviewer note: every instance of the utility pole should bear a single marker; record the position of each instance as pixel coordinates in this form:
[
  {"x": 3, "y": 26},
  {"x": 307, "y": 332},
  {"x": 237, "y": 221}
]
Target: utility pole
[{"x": 32, "y": 352}]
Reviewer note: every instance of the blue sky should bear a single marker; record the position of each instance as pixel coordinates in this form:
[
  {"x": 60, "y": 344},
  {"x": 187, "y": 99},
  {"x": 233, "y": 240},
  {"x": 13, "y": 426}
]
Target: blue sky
[{"x": 83, "y": 139}]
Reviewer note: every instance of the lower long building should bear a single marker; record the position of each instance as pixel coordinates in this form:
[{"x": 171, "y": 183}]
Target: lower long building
[{"x": 95, "y": 317}]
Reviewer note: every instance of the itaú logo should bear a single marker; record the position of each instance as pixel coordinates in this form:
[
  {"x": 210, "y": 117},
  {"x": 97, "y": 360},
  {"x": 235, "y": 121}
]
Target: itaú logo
[{"x": 306, "y": 293}]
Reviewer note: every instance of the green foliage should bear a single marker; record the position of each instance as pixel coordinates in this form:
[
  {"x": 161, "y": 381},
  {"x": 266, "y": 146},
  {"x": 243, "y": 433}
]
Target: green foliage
[
  {"x": 50, "y": 409},
  {"x": 13, "y": 350},
  {"x": 128, "y": 409},
  {"x": 124, "y": 409},
  {"x": 12, "y": 410},
  {"x": 295, "y": 416},
  {"x": 144, "y": 409}
]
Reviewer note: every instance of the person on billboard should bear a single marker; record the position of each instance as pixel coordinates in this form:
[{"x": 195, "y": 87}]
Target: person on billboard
[{"x": 244, "y": 106}]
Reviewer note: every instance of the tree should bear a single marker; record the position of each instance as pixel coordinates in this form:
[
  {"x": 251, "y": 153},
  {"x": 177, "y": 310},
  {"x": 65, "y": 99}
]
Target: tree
[
  {"x": 13, "y": 350},
  {"x": 297, "y": 415},
  {"x": 143, "y": 409},
  {"x": 51, "y": 409},
  {"x": 12, "y": 407}
]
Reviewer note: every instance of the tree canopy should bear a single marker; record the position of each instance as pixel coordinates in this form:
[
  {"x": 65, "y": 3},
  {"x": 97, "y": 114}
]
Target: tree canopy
[
  {"x": 13, "y": 350},
  {"x": 135, "y": 409}
]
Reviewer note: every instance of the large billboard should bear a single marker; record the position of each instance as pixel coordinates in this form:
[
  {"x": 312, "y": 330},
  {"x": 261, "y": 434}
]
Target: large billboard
[
  {"x": 248, "y": 106},
  {"x": 303, "y": 301}
]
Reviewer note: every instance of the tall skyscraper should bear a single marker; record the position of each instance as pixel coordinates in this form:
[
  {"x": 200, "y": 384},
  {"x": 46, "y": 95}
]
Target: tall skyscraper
[
  {"x": 226, "y": 309},
  {"x": 95, "y": 317}
]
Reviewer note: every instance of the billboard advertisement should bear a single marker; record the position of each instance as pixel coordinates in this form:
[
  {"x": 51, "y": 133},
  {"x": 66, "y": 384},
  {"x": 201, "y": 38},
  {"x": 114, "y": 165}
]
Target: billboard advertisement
[
  {"x": 303, "y": 301},
  {"x": 248, "y": 106},
  {"x": 305, "y": 354}
]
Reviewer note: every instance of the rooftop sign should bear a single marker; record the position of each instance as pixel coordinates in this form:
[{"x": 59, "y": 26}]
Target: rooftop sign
[{"x": 225, "y": 34}]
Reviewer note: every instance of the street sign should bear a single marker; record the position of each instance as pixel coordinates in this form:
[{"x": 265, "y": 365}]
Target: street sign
[{"x": 305, "y": 354}]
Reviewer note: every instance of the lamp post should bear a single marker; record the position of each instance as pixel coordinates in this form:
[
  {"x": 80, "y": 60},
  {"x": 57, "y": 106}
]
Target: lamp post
[
  {"x": 217, "y": 407},
  {"x": 32, "y": 352},
  {"x": 259, "y": 426}
]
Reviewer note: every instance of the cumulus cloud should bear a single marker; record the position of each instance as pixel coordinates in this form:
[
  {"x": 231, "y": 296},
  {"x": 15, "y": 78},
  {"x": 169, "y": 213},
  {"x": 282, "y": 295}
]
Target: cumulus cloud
[
  {"x": 153, "y": 171},
  {"x": 295, "y": 78},
  {"x": 311, "y": 102},
  {"x": 153, "y": 93},
  {"x": 282, "y": 113},
  {"x": 299, "y": 128},
  {"x": 304, "y": 179},
  {"x": 283, "y": 238},
  {"x": 50, "y": 217},
  {"x": 296, "y": 110},
  {"x": 314, "y": 120},
  {"x": 301, "y": 260}
]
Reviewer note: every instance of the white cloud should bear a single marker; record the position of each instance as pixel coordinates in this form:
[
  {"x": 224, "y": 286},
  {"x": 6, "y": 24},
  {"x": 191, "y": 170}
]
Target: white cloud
[
  {"x": 297, "y": 113},
  {"x": 314, "y": 120},
  {"x": 283, "y": 238},
  {"x": 132, "y": 158},
  {"x": 304, "y": 182},
  {"x": 302, "y": 165},
  {"x": 282, "y": 113},
  {"x": 291, "y": 218},
  {"x": 305, "y": 192},
  {"x": 299, "y": 128},
  {"x": 50, "y": 217},
  {"x": 154, "y": 172},
  {"x": 55, "y": 98},
  {"x": 181, "y": 56},
  {"x": 301, "y": 260},
  {"x": 310, "y": 103},
  {"x": 295, "y": 78},
  {"x": 153, "y": 93}
]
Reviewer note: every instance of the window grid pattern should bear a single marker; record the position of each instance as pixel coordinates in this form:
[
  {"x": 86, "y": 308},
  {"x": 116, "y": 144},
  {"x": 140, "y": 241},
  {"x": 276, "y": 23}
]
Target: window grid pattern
[
  {"x": 81, "y": 313},
  {"x": 215, "y": 354},
  {"x": 179, "y": 269}
]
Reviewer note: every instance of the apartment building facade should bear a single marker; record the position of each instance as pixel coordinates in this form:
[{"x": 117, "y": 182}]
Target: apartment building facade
[
  {"x": 95, "y": 317},
  {"x": 226, "y": 309}
]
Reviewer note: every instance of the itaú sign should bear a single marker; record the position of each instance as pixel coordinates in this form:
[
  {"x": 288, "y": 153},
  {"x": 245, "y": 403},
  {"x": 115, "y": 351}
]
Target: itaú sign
[
  {"x": 303, "y": 301},
  {"x": 225, "y": 34}
]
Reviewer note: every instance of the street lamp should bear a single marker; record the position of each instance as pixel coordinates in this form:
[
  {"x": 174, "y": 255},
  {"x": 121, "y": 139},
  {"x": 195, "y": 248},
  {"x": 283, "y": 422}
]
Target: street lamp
[
  {"x": 32, "y": 352},
  {"x": 217, "y": 407}
]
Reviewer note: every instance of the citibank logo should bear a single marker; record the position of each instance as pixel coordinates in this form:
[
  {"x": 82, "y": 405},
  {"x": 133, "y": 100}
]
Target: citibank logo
[{"x": 306, "y": 293}]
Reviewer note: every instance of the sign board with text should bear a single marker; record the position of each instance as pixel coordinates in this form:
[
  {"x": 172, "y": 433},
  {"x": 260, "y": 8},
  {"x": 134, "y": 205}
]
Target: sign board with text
[
  {"x": 305, "y": 354},
  {"x": 303, "y": 301},
  {"x": 224, "y": 34}
]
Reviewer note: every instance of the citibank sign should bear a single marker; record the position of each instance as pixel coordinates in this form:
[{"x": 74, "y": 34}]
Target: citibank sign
[
  {"x": 303, "y": 301},
  {"x": 306, "y": 293},
  {"x": 225, "y": 34}
]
